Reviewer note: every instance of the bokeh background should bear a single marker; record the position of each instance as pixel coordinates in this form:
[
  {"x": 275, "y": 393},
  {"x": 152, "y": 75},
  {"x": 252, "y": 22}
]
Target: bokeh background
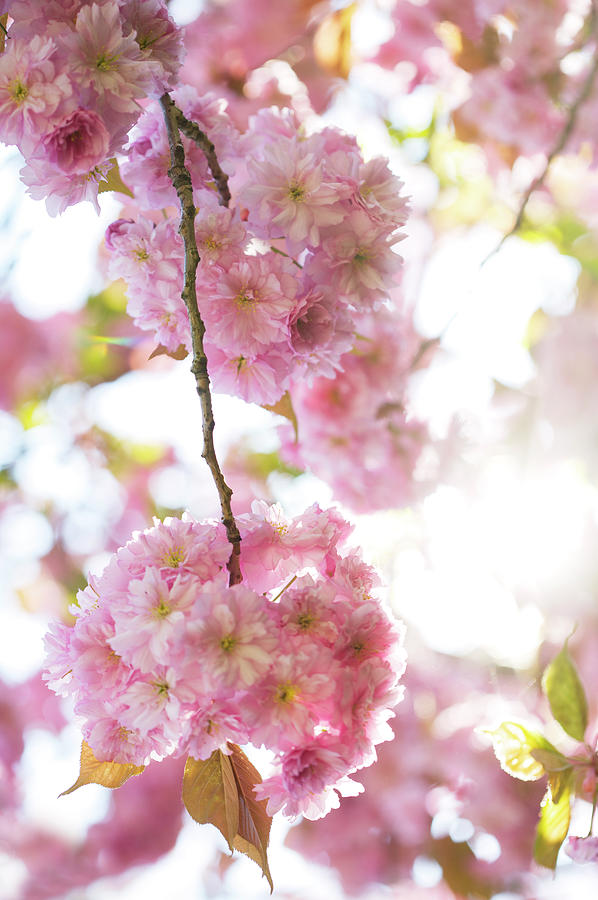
[{"x": 489, "y": 557}]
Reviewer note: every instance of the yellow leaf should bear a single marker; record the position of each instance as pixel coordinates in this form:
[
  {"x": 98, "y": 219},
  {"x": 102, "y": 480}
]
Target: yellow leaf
[
  {"x": 95, "y": 771},
  {"x": 552, "y": 828},
  {"x": 284, "y": 407},
  {"x": 332, "y": 42},
  {"x": 513, "y": 746},
  {"x": 210, "y": 794},
  {"x": 113, "y": 181}
]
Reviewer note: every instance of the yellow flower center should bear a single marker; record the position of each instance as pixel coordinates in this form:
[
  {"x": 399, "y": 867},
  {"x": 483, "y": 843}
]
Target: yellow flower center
[
  {"x": 305, "y": 621},
  {"x": 173, "y": 558},
  {"x": 286, "y": 693},
  {"x": 228, "y": 643},
  {"x": 296, "y": 192},
  {"x": 19, "y": 91},
  {"x": 105, "y": 63},
  {"x": 162, "y": 610}
]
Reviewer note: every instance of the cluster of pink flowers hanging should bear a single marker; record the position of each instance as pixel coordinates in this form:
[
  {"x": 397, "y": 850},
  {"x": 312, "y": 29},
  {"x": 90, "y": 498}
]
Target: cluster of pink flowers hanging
[
  {"x": 71, "y": 77},
  {"x": 356, "y": 426},
  {"x": 306, "y": 246},
  {"x": 165, "y": 658}
]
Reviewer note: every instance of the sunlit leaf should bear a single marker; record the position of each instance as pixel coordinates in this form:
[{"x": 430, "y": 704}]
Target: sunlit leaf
[
  {"x": 566, "y": 696},
  {"x": 557, "y": 767},
  {"x": 284, "y": 407},
  {"x": 113, "y": 181},
  {"x": 254, "y": 822},
  {"x": 210, "y": 794},
  {"x": 95, "y": 771},
  {"x": 332, "y": 42},
  {"x": 181, "y": 352},
  {"x": 513, "y": 745},
  {"x": 552, "y": 828}
]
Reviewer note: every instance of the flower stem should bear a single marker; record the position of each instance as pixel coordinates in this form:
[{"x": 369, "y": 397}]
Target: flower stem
[{"x": 181, "y": 179}]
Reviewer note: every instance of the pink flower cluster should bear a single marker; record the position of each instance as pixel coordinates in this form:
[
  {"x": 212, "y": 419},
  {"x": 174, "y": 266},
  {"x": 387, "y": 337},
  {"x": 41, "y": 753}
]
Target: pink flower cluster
[
  {"x": 519, "y": 57},
  {"x": 70, "y": 81},
  {"x": 443, "y": 779},
  {"x": 355, "y": 430},
  {"x": 307, "y": 245},
  {"x": 165, "y": 658}
]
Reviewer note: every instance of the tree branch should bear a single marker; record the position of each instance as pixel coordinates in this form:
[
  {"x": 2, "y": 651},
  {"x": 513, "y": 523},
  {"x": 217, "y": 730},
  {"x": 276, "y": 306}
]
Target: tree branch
[
  {"x": 181, "y": 180},
  {"x": 558, "y": 148},
  {"x": 194, "y": 132}
]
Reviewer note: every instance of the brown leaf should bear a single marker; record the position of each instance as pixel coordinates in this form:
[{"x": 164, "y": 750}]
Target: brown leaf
[
  {"x": 113, "y": 182},
  {"x": 95, "y": 771},
  {"x": 284, "y": 407},
  {"x": 254, "y": 822},
  {"x": 210, "y": 794},
  {"x": 475, "y": 57},
  {"x": 459, "y": 868},
  {"x": 181, "y": 352},
  {"x": 3, "y": 21}
]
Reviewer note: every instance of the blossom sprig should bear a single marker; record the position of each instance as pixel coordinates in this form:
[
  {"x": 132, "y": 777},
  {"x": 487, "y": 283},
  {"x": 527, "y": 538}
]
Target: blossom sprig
[
  {"x": 355, "y": 424},
  {"x": 528, "y": 755},
  {"x": 165, "y": 658},
  {"x": 71, "y": 77},
  {"x": 306, "y": 244}
]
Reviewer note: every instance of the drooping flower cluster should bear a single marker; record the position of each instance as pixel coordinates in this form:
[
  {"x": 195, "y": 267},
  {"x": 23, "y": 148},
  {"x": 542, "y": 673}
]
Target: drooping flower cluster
[
  {"x": 165, "y": 658},
  {"x": 307, "y": 244},
  {"x": 441, "y": 774},
  {"x": 70, "y": 81},
  {"x": 355, "y": 429}
]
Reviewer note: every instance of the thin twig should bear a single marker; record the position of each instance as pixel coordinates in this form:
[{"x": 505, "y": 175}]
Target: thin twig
[
  {"x": 194, "y": 132},
  {"x": 181, "y": 180},
  {"x": 558, "y": 148},
  {"x": 282, "y": 253}
]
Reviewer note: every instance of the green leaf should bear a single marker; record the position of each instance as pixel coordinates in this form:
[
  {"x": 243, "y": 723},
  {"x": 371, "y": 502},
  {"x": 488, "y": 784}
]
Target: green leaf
[
  {"x": 95, "y": 771},
  {"x": 513, "y": 746},
  {"x": 559, "y": 770},
  {"x": 113, "y": 181},
  {"x": 552, "y": 828},
  {"x": 210, "y": 794},
  {"x": 254, "y": 822},
  {"x": 566, "y": 695}
]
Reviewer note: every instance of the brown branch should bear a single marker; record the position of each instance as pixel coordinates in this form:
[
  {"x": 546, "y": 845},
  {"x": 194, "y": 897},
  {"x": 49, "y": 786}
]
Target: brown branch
[
  {"x": 558, "y": 148},
  {"x": 194, "y": 132},
  {"x": 181, "y": 180}
]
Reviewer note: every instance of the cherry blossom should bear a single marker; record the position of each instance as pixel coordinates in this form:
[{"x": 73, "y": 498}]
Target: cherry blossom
[{"x": 165, "y": 658}]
